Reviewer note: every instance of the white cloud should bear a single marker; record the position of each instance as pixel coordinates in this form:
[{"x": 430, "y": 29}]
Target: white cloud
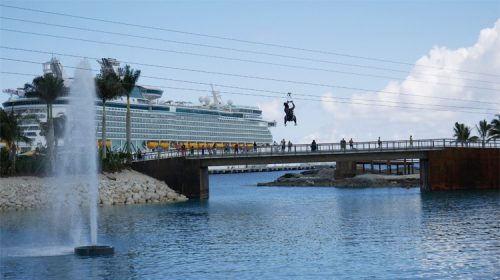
[
  {"x": 443, "y": 78},
  {"x": 272, "y": 110}
]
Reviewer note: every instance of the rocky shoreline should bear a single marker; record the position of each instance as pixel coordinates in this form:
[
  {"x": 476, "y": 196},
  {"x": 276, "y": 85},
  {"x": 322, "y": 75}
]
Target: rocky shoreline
[
  {"x": 126, "y": 187},
  {"x": 325, "y": 177}
]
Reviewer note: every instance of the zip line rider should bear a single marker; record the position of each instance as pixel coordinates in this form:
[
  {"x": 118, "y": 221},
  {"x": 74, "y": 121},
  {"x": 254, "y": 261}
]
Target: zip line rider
[{"x": 289, "y": 115}]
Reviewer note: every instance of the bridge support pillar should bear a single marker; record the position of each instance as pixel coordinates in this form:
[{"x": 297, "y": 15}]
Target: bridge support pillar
[
  {"x": 345, "y": 169},
  {"x": 184, "y": 176},
  {"x": 461, "y": 168},
  {"x": 424, "y": 175}
]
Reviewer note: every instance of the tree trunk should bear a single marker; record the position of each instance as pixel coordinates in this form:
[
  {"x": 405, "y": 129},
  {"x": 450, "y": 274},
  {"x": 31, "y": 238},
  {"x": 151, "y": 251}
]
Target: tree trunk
[
  {"x": 12, "y": 156},
  {"x": 103, "y": 132},
  {"x": 50, "y": 139},
  {"x": 128, "y": 132}
]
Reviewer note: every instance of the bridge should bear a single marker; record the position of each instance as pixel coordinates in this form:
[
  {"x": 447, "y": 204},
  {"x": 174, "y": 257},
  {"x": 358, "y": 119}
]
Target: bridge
[{"x": 445, "y": 164}]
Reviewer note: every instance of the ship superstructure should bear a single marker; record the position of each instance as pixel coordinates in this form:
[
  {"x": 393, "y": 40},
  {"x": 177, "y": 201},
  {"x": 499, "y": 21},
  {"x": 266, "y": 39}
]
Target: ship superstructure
[{"x": 156, "y": 123}]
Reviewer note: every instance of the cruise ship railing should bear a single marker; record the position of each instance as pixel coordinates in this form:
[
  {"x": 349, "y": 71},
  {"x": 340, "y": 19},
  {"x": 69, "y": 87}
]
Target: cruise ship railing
[{"x": 297, "y": 149}]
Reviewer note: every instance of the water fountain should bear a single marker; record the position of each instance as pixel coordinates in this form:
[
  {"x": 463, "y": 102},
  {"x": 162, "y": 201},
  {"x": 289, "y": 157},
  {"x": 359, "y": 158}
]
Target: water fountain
[{"x": 77, "y": 178}]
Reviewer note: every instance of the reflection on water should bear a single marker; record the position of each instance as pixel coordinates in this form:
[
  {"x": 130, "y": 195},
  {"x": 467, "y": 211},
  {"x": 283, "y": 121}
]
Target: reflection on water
[{"x": 249, "y": 232}]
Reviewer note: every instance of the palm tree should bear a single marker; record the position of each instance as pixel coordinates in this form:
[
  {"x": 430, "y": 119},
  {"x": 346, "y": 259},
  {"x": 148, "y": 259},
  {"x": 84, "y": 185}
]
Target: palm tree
[
  {"x": 10, "y": 132},
  {"x": 462, "y": 133},
  {"x": 59, "y": 124},
  {"x": 494, "y": 132},
  {"x": 129, "y": 80},
  {"x": 47, "y": 88},
  {"x": 59, "y": 127},
  {"x": 483, "y": 128},
  {"x": 108, "y": 87}
]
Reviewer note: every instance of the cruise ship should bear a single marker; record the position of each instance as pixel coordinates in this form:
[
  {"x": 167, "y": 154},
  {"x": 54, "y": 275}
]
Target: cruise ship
[{"x": 156, "y": 123}]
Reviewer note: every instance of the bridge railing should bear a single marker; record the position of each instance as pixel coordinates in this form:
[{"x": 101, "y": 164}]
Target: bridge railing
[{"x": 296, "y": 149}]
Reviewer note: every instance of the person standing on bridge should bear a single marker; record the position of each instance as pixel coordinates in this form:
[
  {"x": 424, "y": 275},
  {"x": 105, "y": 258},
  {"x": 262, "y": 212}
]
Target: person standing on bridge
[
  {"x": 183, "y": 150},
  {"x": 351, "y": 144},
  {"x": 379, "y": 143},
  {"x": 290, "y": 145},
  {"x": 411, "y": 141},
  {"x": 283, "y": 143},
  {"x": 314, "y": 146}
]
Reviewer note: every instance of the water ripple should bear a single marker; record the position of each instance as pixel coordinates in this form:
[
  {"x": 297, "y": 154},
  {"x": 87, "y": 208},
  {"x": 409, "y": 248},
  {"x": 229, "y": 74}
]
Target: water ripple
[{"x": 246, "y": 232}]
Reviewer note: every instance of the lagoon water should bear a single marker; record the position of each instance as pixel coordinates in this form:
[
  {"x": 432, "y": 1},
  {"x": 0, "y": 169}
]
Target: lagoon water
[{"x": 249, "y": 232}]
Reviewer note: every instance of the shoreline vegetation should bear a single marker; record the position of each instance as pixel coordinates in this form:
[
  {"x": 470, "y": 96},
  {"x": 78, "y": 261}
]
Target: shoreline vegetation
[
  {"x": 324, "y": 177},
  {"x": 125, "y": 187}
]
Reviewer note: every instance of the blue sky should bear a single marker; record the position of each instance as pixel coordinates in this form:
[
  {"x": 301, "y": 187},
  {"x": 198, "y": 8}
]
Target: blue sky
[{"x": 404, "y": 31}]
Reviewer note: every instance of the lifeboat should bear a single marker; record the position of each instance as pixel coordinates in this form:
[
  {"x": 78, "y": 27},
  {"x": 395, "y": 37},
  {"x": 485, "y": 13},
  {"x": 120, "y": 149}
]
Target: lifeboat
[
  {"x": 197, "y": 145},
  {"x": 4, "y": 144},
  {"x": 220, "y": 145},
  {"x": 164, "y": 145},
  {"x": 99, "y": 143},
  {"x": 240, "y": 146},
  {"x": 152, "y": 144},
  {"x": 203, "y": 146}
]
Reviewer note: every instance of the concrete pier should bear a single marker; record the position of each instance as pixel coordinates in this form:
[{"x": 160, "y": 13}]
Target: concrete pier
[
  {"x": 461, "y": 169},
  {"x": 345, "y": 169},
  {"x": 185, "y": 176}
]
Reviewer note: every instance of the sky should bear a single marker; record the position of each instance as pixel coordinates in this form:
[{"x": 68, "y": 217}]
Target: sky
[{"x": 356, "y": 69}]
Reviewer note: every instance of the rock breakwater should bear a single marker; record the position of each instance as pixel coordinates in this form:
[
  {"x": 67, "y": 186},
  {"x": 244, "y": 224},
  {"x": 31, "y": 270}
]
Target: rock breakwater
[
  {"x": 126, "y": 187},
  {"x": 325, "y": 177}
]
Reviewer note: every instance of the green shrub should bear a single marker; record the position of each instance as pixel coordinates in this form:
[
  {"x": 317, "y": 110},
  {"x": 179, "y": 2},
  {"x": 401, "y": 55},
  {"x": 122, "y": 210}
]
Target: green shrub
[
  {"x": 31, "y": 165},
  {"x": 114, "y": 162},
  {"x": 5, "y": 163}
]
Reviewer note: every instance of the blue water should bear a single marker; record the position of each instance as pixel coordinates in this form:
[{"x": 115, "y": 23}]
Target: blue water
[{"x": 249, "y": 232}]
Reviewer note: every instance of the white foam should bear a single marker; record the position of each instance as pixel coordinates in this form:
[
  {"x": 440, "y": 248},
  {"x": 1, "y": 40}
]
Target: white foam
[{"x": 46, "y": 251}]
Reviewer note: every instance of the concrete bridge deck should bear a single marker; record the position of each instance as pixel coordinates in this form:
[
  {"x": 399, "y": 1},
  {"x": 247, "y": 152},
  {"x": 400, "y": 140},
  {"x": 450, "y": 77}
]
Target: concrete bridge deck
[{"x": 445, "y": 163}]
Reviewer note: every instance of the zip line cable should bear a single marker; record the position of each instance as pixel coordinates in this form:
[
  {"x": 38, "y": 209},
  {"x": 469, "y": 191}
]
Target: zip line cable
[
  {"x": 244, "y": 51},
  {"x": 344, "y": 102},
  {"x": 272, "y": 79},
  {"x": 306, "y": 99},
  {"x": 242, "y": 41},
  {"x": 321, "y": 99},
  {"x": 193, "y": 82}
]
